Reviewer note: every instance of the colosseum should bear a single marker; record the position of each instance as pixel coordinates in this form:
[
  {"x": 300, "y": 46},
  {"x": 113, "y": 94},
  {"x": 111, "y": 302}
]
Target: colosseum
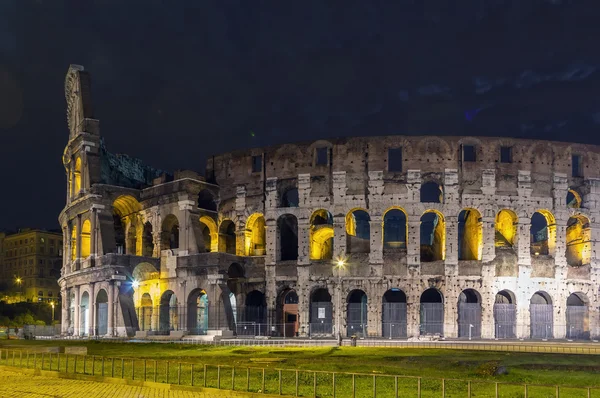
[{"x": 389, "y": 237}]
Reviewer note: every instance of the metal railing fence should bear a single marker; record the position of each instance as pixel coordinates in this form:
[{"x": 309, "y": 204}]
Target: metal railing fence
[{"x": 289, "y": 382}]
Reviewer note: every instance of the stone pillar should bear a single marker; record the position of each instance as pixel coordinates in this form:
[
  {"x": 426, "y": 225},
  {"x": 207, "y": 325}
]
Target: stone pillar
[
  {"x": 111, "y": 299},
  {"x": 487, "y": 315},
  {"x": 78, "y": 248},
  {"x": 273, "y": 249},
  {"x": 489, "y": 237},
  {"x": 450, "y": 310},
  {"x": 304, "y": 190},
  {"x": 77, "y": 315},
  {"x": 451, "y": 245},
  {"x": 523, "y": 241},
  {"x": 560, "y": 248},
  {"x": 339, "y": 233},
  {"x": 413, "y": 311},
  {"x": 92, "y": 323},
  {"x": 65, "y": 316},
  {"x": 72, "y": 192},
  {"x": 93, "y": 233},
  {"x": 303, "y": 291},
  {"x": 559, "y": 304},
  {"x": 413, "y": 246},
  {"x": 374, "y": 310},
  {"x": 303, "y": 241},
  {"x": 66, "y": 255},
  {"x": 376, "y": 245},
  {"x": 271, "y": 294}
]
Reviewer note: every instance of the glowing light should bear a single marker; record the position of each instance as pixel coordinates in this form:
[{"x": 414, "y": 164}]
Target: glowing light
[
  {"x": 340, "y": 262},
  {"x": 537, "y": 253},
  {"x": 18, "y": 280},
  {"x": 135, "y": 284}
]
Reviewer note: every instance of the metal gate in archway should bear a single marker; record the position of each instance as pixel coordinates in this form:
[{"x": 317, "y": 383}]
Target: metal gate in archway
[
  {"x": 541, "y": 321},
  {"x": 394, "y": 320},
  {"x": 469, "y": 320},
  {"x": 505, "y": 320},
  {"x": 432, "y": 318},
  {"x": 577, "y": 318}
]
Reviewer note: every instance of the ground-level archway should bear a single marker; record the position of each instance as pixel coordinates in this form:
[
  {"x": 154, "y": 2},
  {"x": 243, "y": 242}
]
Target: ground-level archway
[
  {"x": 101, "y": 313},
  {"x": 541, "y": 316},
  {"x": 432, "y": 312},
  {"x": 356, "y": 314},
  {"x": 168, "y": 313},
  {"x": 197, "y": 312},
  {"x": 321, "y": 313},
  {"x": 578, "y": 323},
  {"x": 145, "y": 313},
  {"x": 84, "y": 314},
  {"x": 505, "y": 315},
  {"x": 254, "y": 316},
  {"x": 469, "y": 314},
  {"x": 393, "y": 320},
  {"x": 289, "y": 301}
]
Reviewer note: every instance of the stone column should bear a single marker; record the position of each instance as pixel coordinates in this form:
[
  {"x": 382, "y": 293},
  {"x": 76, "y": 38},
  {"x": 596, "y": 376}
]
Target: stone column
[
  {"x": 523, "y": 241},
  {"x": 93, "y": 233},
  {"x": 487, "y": 315},
  {"x": 66, "y": 256},
  {"x": 65, "y": 318},
  {"x": 374, "y": 309},
  {"x": 450, "y": 312},
  {"x": 451, "y": 245},
  {"x": 303, "y": 241},
  {"x": 303, "y": 291},
  {"x": 78, "y": 247},
  {"x": 77, "y": 315},
  {"x": 72, "y": 192},
  {"x": 271, "y": 294},
  {"x": 339, "y": 235},
  {"x": 376, "y": 235},
  {"x": 413, "y": 311},
  {"x": 413, "y": 246},
  {"x": 489, "y": 237},
  {"x": 559, "y": 305},
  {"x": 560, "y": 247},
  {"x": 272, "y": 249},
  {"x": 111, "y": 299},
  {"x": 92, "y": 324}
]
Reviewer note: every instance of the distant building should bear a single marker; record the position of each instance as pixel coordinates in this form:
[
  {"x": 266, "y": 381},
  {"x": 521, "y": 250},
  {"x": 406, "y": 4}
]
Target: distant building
[{"x": 30, "y": 265}]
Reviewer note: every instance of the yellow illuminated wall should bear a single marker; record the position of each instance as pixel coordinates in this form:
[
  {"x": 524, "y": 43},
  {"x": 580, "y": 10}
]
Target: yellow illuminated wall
[
  {"x": 255, "y": 235},
  {"x": 472, "y": 242},
  {"x": 211, "y": 236},
  {"x": 86, "y": 239},
  {"x": 506, "y": 228},
  {"x": 578, "y": 241},
  {"x": 77, "y": 176},
  {"x": 74, "y": 243},
  {"x": 438, "y": 246},
  {"x": 321, "y": 234}
]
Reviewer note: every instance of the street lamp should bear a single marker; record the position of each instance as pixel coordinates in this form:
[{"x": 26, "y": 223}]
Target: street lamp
[
  {"x": 19, "y": 282},
  {"x": 340, "y": 265},
  {"x": 52, "y": 305},
  {"x": 135, "y": 284}
]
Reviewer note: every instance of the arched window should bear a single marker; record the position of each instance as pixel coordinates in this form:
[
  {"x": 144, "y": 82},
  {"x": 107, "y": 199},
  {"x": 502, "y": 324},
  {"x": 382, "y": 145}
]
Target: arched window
[
  {"x": 287, "y": 226},
  {"x": 433, "y": 236},
  {"x": 255, "y": 239},
  {"x": 147, "y": 241},
  {"x": 170, "y": 233},
  {"x": 131, "y": 247},
  {"x": 74, "y": 243},
  {"x": 506, "y": 228},
  {"x": 579, "y": 248},
  {"x": 227, "y": 237},
  {"x": 85, "y": 239},
  {"x": 543, "y": 233},
  {"x": 394, "y": 230},
  {"x": 573, "y": 199},
  {"x": 77, "y": 177},
  {"x": 431, "y": 192},
  {"x": 470, "y": 235},
  {"x": 210, "y": 236},
  {"x": 321, "y": 235},
  {"x": 358, "y": 231}
]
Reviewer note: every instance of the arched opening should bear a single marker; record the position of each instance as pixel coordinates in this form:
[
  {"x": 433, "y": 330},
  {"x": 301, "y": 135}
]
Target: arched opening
[
  {"x": 432, "y": 312},
  {"x": 84, "y": 314},
  {"x": 395, "y": 230},
  {"x": 74, "y": 243},
  {"x": 255, "y": 235},
  {"x": 197, "y": 312},
  {"x": 145, "y": 312},
  {"x": 170, "y": 233},
  {"x": 287, "y": 226},
  {"x": 394, "y": 314},
  {"x": 255, "y": 316},
  {"x": 210, "y": 236},
  {"x": 77, "y": 177},
  {"x": 102, "y": 313},
  {"x": 86, "y": 242},
  {"x": 147, "y": 241},
  {"x": 321, "y": 235},
  {"x": 573, "y": 199},
  {"x": 356, "y": 314},
  {"x": 470, "y": 235},
  {"x": 579, "y": 248},
  {"x": 206, "y": 200},
  {"x": 73, "y": 328},
  {"x": 505, "y": 315},
  {"x": 125, "y": 210},
  {"x": 543, "y": 233},
  {"x": 433, "y": 236},
  {"x": 432, "y": 192},
  {"x": 321, "y": 313},
  {"x": 541, "y": 316},
  {"x": 290, "y": 313},
  {"x": 358, "y": 231},
  {"x": 144, "y": 272},
  {"x": 578, "y": 322},
  {"x": 131, "y": 244},
  {"x": 168, "y": 313},
  {"x": 227, "y": 237},
  {"x": 506, "y": 228},
  {"x": 469, "y": 314},
  {"x": 290, "y": 198}
]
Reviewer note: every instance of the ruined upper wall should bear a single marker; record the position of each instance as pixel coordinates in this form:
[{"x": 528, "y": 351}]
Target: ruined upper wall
[{"x": 430, "y": 154}]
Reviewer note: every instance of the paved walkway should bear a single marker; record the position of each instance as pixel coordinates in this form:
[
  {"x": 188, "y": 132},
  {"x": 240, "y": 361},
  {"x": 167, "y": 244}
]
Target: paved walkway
[{"x": 19, "y": 384}]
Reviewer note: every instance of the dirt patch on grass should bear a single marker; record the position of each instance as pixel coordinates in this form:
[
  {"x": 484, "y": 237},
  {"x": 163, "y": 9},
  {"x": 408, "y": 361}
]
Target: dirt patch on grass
[{"x": 567, "y": 368}]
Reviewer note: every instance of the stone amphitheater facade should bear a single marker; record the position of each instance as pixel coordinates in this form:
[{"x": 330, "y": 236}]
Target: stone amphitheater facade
[{"x": 394, "y": 236}]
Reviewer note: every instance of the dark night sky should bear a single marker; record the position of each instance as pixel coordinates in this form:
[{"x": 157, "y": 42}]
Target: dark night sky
[{"x": 176, "y": 81}]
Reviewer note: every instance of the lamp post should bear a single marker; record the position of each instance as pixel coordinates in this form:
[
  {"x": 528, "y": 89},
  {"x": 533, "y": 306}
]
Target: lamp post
[
  {"x": 52, "y": 305},
  {"x": 19, "y": 282},
  {"x": 340, "y": 265}
]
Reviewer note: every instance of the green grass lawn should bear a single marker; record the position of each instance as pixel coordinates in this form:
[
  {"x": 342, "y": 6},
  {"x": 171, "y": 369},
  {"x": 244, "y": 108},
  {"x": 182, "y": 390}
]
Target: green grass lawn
[{"x": 430, "y": 364}]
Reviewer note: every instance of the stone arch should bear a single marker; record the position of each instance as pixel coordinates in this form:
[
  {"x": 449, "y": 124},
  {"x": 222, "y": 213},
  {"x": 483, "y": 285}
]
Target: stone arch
[
  {"x": 578, "y": 319},
  {"x": 505, "y": 315},
  {"x": 255, "y": 235},
  {"x": 506, "y": 228},
  {"x": 579, "y": 234},
  {"x": 101, "y": 313},
  {"x": 144, "y": 272},
  {"x": 431, "y": 192},
  {"x": 357, "y": 313},
  {"x": 470, "y": 235},
  {"x": 145, "y": 312},
  {"x": 469, "y": 314},
  {"x": 573, "y": 199},
  {"x": 255, "y": 314},
  {"x": 287, "y": 232},
  {"x": 170, "y": 233},
  {"x": 394, "y": 315},
  {"x": 433, "y": 236},
  {"x": 288, "y": 312},
  {"x": 395, "y": 229},
  {"x": 210, "y": 234},
  {"x": 358, "y": 231},
  {"x": 321, "y": 235},
  {"x": 543, "y": 233},
  {"x": 86, "y": 241},
  {"x": 227, "y": 237},
  {"x": 321, "y": 312},
  {"x": 541, "y": 316},
  {"x": 197, "y": 312},
  {"x": 432, "y": 312},
  {"x": 84, "y": 314},
  {"x": 168, "y": 312},
  {"x": 147, "y": 241},
  {"x": 77, "y": 176},
  {"x": 125, "y": 208},
  {"x": 206, "y": 200}
]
